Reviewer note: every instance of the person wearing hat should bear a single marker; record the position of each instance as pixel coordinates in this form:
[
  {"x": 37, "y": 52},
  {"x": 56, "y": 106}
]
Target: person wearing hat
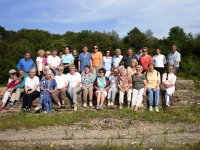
[{"x": 11, "y": 71}]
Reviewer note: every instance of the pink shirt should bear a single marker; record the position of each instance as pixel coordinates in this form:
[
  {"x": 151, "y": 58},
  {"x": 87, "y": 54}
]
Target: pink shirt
[{"x": 169, "y": 79}]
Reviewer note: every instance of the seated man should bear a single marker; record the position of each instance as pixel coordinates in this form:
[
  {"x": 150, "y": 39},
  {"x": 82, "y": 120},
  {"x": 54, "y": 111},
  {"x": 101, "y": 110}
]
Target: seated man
[{"x": 9, "y": 90}]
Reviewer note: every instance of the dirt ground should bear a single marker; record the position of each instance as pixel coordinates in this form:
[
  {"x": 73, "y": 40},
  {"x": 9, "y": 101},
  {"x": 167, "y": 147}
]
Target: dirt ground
[{"x": 106, "y": 131}]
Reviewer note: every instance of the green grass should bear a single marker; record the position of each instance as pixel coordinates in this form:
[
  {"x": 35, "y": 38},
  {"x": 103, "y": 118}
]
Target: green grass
[{"x": 23, "y": 120}]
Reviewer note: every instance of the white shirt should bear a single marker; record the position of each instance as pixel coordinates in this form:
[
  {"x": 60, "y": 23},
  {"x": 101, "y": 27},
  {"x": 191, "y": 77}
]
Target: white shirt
[
  {"x": 159, "y": 60},
  {"x": 61, "y": 80},
  {"x": 169, "y": 79},
  {"x": 113, "y": 81},
  {"x": 107, "y": 63},
  {"x": 40, "y": 60},
  {"x": 53, "y": 61},
  {"x": 172, "y": 57},
  {"x": 116, "y": 60},
  {"x": 73, "y": 79},
  {"x": 31, "y": 83}
]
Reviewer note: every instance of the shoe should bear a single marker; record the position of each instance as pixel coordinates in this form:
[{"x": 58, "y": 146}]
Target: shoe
[
  {"x": 97, "y": 107},
  {"x": 75, "y": 108},
  {"x": 100, "y": 107},
  {"x": 150, "y": 108},
  {"x": 157, "y": 110},
  {"x": 108, "y": 102},
  {"x": 90, "y": 104},
  {"x": 120, "y": 106},
  {"x": 16, "y": 104},
  {"x": 28, "y": 110},
  {"x": 136, "y": 108},
  {"x": 84, "y": 104},
  {"x": 2, "y": 108},
  {"x": 111, "y": 103},
  {"x": 38, "y": 107}
]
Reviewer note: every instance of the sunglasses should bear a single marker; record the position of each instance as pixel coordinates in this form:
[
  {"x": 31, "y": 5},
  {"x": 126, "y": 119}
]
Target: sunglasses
[
  {"x": 144, "y": 51},
  {"x": 101, "y": 72},
  {"x": 95, "y": 48}
]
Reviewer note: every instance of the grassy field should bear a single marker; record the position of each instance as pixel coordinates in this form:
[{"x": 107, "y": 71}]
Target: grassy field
[{"x": 23, "y": 120}]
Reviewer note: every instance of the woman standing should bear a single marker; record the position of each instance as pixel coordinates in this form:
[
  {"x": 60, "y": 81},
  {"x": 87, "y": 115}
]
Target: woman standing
[
  {"x": 132, "y": 68},
  {"x": 139, "y": 88},
  {"x": 107, "y": 63},
  {"x": 101, "y": 85},
  {"x": 67, "y": 59},
  {"x": 39, "y": 63},
  {"x": 74, "y": 85},
  {"x": 145, "y": 59},
  {"x": 32, "y": 90}
]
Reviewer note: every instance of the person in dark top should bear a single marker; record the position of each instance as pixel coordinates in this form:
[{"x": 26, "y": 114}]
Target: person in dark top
[
  {"x": 127, "y": 58},
  {"x": 76, "y": 57}
]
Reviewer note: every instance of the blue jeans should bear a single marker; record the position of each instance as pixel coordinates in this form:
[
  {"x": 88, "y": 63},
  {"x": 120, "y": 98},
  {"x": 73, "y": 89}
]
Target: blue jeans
[{"x": 153, "y": 94}]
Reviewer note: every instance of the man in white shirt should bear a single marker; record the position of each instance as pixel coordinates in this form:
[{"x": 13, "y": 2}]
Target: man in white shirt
[
  {"x": 53, "y": 61},
  {"x": 174, "y": 58},
  {"x": 117, "y": 58},
  {"x": 60, "y": 94},
  {"x": 159, "y": 61}
]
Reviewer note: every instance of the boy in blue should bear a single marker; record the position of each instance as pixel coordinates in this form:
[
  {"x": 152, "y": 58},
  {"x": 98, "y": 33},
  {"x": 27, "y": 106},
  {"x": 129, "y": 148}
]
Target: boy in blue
[
  {"x": 26, "y": 63},
  {"x": 84, "y": 59}
]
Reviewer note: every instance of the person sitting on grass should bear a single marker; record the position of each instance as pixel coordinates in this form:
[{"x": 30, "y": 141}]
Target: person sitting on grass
[
  {"x": 48, "y": 86},
  {"x": 87, "y": 79},
  {"x": 168, "y": 82},
  {"x": 153, "y": 86},
  {"x": 113, "y": 87},
  {"x": 9, "y": 90},
  {"x": 124, "y": 85},
  {"x": 74, "y": 85},
  {"x": 32, "y": 90},
  {"x": 139, "y": 88},
  {"x": 101, "y": 85}
]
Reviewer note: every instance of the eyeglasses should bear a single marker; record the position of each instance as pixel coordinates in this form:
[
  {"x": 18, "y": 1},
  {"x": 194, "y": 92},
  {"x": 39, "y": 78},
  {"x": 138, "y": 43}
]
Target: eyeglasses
[
  {"x": 101, "y": 72},
  {"x": 144, "y": 51},
  {"x": 95, "y": 48}
]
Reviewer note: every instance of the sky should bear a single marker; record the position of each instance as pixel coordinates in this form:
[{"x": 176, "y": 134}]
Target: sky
[{"x": 59, "y": 16}]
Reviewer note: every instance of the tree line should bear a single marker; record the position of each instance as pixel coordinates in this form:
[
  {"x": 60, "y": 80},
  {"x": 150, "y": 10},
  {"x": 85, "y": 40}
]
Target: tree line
[{"x": 13, "y": 45}]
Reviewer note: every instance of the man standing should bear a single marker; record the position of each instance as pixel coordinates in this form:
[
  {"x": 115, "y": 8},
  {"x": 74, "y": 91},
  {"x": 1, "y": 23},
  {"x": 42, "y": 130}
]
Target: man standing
[
  {"x": 26, "y": 63},
  {"x": 127, "y": 59},
  {"x": 84, "y": 59},
  {"x": 174, "y": 58},
  {"x": 54, "y": 61},
  {"x": 159, "y": 60},
  {"x": 117, "y": 58}
]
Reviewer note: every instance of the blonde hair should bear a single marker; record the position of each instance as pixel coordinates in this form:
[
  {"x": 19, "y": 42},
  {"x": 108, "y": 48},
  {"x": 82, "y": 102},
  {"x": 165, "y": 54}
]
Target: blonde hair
[
  {"x": 48, "y": 53},
  {"x": 41, "y": 51},
  {"x": 135, "y": 61}
]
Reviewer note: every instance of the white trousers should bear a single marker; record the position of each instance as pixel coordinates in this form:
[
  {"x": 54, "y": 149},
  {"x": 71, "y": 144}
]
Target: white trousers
[
  {"x": 121, "y": 96},
  {"x": 6, "y": 96},
  {"x": 137, "y": 97}
]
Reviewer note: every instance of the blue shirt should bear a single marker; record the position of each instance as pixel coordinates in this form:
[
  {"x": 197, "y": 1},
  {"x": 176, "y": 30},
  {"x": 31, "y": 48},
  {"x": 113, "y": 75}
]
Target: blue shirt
[
  {"x": 67, "y": 59},
  {"x": 172, "y": 57},
  {"x": 85, "y": 59},
  {"x": 26, "y": 64}
]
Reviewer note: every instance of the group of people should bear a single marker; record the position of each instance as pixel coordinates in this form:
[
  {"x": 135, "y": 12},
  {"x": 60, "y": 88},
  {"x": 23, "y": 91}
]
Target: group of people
[{"x": 100, "y": 78}]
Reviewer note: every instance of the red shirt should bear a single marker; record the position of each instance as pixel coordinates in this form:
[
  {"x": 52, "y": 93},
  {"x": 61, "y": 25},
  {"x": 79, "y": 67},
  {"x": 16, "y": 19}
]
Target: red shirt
[
  {"x": 12, "y": 84},
  {"x": 145, "y": 60}
]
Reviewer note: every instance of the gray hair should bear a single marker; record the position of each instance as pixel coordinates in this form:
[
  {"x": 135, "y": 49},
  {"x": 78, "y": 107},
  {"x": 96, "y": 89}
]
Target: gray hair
[
  {"x": 33, "y": 69},
  {"x": 118, "y": 50}
]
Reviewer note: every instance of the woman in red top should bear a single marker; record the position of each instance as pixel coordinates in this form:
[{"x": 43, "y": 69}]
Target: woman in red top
[
  {"x": 145, "y": 59},
  {"x": 9, "y": 90}
]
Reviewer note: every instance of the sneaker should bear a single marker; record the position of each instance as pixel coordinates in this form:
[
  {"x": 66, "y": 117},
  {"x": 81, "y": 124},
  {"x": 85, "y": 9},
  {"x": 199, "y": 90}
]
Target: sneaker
[
  {"x": 75, "y": 108},
  {"x": 150, "y": 108},
  {"x": 108, "y": 102},
  {"x": 84, "y": 104},
  {"x": 97, "y": 107},
  {"x": 157, "y": 110},
  {"x": 100, "y": 107},
  {"x": 120, "y": 106},
  {"x": 111, "y": 103},
  {"x": 90, "y": 104},
  {"x": 38, "y": 107}
]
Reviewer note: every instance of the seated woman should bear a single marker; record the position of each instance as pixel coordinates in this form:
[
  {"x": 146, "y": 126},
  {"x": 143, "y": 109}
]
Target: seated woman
[
  {"x": 9, "y": 90},
  {"x": 74, "y": 85},
  {"x": 87, "y": 79},
  {"x": 48, "y": 86},
  {"x": 168, "y": 82},
  {"x": 60, "y": 94},
  {"x": 139, "y": 88},
  {"x": 101, "y": 85},
  {"x": 113, "y": 87},
  {"x": 153, "y": 84},
  {"x": 124, "y": 85},
  {"x": 32, "y": 90}
]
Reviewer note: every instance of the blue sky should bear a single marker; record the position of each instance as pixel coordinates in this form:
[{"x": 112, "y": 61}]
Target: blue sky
[{"x": 59, "y": 16}]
